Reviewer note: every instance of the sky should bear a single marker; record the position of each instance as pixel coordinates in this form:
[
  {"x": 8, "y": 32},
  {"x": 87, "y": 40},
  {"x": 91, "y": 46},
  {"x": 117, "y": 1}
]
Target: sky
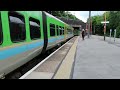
[{"x": 83, "y": 15}]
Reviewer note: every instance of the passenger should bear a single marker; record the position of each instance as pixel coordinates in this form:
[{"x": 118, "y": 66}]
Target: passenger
[{"x": 83, "y": 34}]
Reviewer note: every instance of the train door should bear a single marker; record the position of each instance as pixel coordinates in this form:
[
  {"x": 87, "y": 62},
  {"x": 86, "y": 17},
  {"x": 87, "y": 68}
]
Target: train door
[{"x": 65, "y": 32}]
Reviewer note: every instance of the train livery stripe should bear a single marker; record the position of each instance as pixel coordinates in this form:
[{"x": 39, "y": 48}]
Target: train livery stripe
[
  {"x": 60, "y": 37},
  {"x": 53, "y": 39},
  {"x": 4, "y": 54}
]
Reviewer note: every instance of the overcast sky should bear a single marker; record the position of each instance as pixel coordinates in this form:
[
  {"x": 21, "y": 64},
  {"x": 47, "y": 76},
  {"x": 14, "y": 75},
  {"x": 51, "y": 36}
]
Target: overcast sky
[{"x": 83, "y": 15}]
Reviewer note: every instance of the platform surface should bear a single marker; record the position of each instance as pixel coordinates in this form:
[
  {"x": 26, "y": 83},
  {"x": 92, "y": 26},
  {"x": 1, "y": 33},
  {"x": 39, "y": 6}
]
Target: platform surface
[
  {"x": 97, "y": 59},
  {"x": 65, "y": 69}
]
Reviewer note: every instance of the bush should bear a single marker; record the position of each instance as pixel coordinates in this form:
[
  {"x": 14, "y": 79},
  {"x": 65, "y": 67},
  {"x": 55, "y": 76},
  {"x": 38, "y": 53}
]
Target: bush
[{"x": 118, "y": 32}]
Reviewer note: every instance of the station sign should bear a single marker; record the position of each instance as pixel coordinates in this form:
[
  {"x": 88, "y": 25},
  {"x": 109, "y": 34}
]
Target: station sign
[{"x": 105, "y": 22}]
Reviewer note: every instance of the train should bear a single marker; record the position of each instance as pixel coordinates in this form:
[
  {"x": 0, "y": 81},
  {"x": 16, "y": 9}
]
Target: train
[{"x": 26, "y": 34}]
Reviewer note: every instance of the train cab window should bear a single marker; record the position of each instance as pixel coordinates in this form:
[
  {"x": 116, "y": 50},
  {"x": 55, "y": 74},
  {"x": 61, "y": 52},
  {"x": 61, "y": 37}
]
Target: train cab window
[
  {"x": 34, "y": 28},
  {"x": 57, "y": 30},
  {"x": 60, "y": 28},
  {"x": 52, "y": 29},
  {"x": 17, "y": 27},
  {"x": 1, "y": 38}
]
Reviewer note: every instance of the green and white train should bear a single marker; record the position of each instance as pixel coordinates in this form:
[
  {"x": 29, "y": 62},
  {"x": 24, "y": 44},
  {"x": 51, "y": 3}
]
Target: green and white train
[{"x": 25, "y": 34}]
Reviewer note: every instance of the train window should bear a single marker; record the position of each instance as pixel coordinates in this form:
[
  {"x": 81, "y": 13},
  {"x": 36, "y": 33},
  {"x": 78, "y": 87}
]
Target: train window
[
  {"x": 60, "y": 28},
  {"x": 57, "y": 30},
  {"x": 1, "y": 38},
  {"x": 34, "y": 28},
  {"x": 17, "y": 27},
  {"x": 52, "y": 29}
]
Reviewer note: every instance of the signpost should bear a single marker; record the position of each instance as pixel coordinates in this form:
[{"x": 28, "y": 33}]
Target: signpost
[{"x": 104, "y": 22}]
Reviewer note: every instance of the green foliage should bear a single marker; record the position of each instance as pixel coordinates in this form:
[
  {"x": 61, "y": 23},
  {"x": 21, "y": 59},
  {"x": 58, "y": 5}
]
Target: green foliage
[
  {"x": 96, "y": 21},
  {"x": 63, "y": 14},
  {"x": 118, "y": 32},
  {"x": 114, "y": 23},
  {"x": 76, "y": 32}
]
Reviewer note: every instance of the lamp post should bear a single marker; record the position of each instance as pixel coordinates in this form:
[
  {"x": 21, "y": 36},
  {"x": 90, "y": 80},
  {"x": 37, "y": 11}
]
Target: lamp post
[
  {"x": 105, "y": 27},
  {"x": 89, "y": 24}
]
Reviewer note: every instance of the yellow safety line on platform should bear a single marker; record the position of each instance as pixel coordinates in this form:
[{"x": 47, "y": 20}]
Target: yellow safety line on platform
[{"x": 64, "y": 70}]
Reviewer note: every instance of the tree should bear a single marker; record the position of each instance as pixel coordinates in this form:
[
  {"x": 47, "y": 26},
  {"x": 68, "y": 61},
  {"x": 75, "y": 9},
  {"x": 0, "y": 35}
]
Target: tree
[
  {"x": 96, "y": 22},
  {"x": 114, "y": 23},
  {"x": 63, "y": 14}
]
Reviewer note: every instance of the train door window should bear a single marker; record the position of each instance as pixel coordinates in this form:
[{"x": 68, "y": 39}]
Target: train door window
[
  {"x": 34, "y": 28},
  {"x": 17, "y": 27},
  {"x": 57, "y": 30},
  {"x": 1, "y": 38},
  {"x": 63, "y": 30},
  {"x": 68, "y": 31},
  {"x": 52, "y": 29},
  {"x": 60, "y": 28}
]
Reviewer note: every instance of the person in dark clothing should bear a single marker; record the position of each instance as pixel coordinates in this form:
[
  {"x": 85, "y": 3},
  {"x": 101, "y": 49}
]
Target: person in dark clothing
[{"x": 83, "y": 34}]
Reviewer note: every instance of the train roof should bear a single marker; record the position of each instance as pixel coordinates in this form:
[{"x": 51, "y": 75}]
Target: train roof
[
  {"x": 37, "y": 13},
  {"x": 57, "y": 19},
  {"x": 54, "y": 17}
]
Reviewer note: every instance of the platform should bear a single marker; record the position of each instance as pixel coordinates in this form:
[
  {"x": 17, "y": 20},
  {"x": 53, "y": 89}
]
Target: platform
[{"x": 97, "y": 59}]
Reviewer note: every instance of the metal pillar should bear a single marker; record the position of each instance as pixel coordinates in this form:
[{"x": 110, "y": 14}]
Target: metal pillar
[{"x": 110, "y": 33}]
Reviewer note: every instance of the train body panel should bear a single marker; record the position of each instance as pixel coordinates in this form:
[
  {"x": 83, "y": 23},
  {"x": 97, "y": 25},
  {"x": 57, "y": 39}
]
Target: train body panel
[{"x": 14, "y": 58}]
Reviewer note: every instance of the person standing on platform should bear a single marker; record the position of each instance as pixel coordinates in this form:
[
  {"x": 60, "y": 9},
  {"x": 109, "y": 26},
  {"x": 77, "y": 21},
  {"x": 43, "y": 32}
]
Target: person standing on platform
[{"x": 83, "y": 34}]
